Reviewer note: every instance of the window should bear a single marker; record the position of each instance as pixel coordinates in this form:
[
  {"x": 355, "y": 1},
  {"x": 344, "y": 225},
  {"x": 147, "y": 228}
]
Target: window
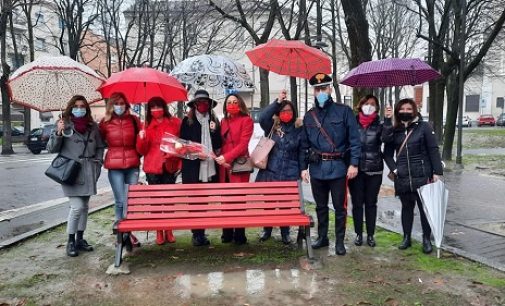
[
  {"x": 499, "y": 102},
  {"x": 40, "y": 44},
  {"x": 472, "y": 103},
  {"x": 348, "y": 100}
]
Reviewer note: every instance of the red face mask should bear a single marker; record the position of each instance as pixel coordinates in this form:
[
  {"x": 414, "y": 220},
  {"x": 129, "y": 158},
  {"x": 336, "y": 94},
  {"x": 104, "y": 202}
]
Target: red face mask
[
  {"x": 232, "y": 109},
  {"x": 157, "y": 113},
  {"x": 202, "y": 108},
  {"x": 286, "y": 116}
]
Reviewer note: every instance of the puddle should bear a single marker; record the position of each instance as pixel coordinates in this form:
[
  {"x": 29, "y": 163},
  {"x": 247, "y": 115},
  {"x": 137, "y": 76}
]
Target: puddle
[{"x": 246, "y": 283}]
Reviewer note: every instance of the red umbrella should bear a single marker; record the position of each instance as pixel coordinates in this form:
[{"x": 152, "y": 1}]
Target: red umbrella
[
  {"x": 141, "y": 84},
  {"x": 290, "y": 57}
]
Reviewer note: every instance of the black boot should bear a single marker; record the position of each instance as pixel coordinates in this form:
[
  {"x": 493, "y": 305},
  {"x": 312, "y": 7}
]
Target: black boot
[
  {"x": 200, "y": 240},
  {"x": 265, "y": 235},
  {"x": 406, "y": 243},
  {"x": 370, "y": 241},
  {"x": 359, "y": 240},
  {"x": 340, "y": 247},
  {"x": 427, "y": 247},
  {"x": 286, "y": 239},
  {"x": 82, "y": 245},
  {"x": 320, "y": 243},
  {"x": 71, "y": 248}
]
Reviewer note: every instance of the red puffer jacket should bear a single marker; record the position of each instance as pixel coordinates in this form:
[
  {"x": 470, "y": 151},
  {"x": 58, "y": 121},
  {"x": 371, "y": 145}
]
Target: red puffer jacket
[
  {"x": 120, "y": 134},
  {"x": 154, "y": 158}
]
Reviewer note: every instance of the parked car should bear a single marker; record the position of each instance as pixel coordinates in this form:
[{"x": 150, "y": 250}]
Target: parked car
[
  {"x": 467, "y": 121},
  {"x": 501, "y": 120},
  {"x": 38, "y": 138},
  {"x": 486, "y": 120},
  {"x": 15, "y": 131}
]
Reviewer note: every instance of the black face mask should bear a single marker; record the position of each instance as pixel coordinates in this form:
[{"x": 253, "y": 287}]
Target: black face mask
[{"x": 405, "y": 116}]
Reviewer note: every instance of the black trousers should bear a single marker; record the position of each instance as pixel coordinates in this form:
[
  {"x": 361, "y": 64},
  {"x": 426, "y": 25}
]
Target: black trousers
[
  {"x": 164, "y": 178},
  {"x": 321, "y": 189},
  {"x": 409, "y": 201},
  {"x": 364, "y": 190},
  {"x": 233, "y": 234}
]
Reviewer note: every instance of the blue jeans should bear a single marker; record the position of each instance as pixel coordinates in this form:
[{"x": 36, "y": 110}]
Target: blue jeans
[{"x": 118, "y": 179}]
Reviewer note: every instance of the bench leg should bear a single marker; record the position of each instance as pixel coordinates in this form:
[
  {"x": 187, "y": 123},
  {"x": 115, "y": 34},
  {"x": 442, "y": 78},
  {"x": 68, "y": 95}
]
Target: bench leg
[
  {"x": 310, "y": 253},
  {"x": 119, "y": 250}
]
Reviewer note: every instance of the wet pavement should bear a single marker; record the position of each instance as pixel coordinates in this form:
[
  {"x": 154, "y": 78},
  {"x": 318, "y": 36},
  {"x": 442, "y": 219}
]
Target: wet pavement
[{"x": 475, "y": 220}]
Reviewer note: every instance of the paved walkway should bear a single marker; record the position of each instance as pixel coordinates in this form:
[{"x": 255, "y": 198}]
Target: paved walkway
[{"x": 475, "y": 221}]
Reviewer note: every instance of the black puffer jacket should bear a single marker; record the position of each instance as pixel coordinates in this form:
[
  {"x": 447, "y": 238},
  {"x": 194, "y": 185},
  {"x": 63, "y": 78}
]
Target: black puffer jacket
[
  {"x": 418, "y": 161},
  {"x": 371, "y": 142}
]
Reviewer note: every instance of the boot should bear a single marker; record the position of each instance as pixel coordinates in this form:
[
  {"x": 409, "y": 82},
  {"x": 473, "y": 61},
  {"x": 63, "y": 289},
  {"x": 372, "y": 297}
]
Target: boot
[
  {"x": 359, "y": 240},
  {"x": 71, "y": 248},
  {"x": 370, "y": 241},
  {"x": 406, "y": 243},
  {"x": 265, "y": 235},
  {"x": 340, "y": 247},
  {"x": 169, "y": 236},
  {"x": 160, "y": 237},
  {"x": 200, "y": 240},
  {"x": 82, "y": 245},
  {"x": 286, "y": 239},
  {"x": 427, "y": 247},
  {"x": 320, "y": 243}
]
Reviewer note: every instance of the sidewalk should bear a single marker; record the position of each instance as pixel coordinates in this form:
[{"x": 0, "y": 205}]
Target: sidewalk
[{"x": 475, "y": 221}]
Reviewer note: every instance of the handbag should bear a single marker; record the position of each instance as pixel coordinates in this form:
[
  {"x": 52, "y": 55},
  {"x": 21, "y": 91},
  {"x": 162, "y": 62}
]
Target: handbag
[
  {"x": 242, "y": 164},
  {"x": 259, "y": 156},
  {"x": 64, "y": 170},
  {"x": 391, "y": 174}
]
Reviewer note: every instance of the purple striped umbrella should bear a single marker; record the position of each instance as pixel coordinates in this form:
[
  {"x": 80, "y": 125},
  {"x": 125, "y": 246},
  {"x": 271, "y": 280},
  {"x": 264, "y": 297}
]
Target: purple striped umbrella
[{"x": 390, "y": 72}]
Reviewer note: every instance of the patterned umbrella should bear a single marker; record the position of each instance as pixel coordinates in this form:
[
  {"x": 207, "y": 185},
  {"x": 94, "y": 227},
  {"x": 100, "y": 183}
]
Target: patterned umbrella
[
  {"x": 212, "y": 71},
  {"x": 390, "y": 72},
  {"x": 290, "y": 57},
  {"x": 48, "y": 83},
  {"x": 141, "y": 84}
]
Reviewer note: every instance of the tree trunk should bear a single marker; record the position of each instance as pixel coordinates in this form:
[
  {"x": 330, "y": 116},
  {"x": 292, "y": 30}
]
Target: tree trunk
[
  {"x": 452, "y": 113},
  {"x": 264, "y": 88},
  {"x": 6, "y": 69}
]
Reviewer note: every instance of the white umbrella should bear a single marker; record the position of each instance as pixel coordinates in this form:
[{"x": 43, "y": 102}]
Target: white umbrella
[
  {"x": 435, "y": 198},
  {"x": 212, "y": 71},
  {"x": 48, "y": 83}
]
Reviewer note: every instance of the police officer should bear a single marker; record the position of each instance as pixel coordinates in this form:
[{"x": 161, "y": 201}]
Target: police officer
[{"x": 331, "y": 150}]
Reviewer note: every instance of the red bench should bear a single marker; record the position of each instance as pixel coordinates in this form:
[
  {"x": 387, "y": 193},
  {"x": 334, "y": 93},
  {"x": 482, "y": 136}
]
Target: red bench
[{"x": 207, "y": 206}]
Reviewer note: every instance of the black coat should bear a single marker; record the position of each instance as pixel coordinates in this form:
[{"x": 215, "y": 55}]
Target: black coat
[
  {"x": 371, "y": 143},
  {"x": 418, "y": 161},
  {"x": 191, "y": 168},
  {"x": 283, "y": 160}
]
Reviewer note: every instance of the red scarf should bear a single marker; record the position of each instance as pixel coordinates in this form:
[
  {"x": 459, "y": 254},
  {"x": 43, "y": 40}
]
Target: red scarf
[
  {"x": 80, "y": 124},
  {"x": 365, "y": 120}
]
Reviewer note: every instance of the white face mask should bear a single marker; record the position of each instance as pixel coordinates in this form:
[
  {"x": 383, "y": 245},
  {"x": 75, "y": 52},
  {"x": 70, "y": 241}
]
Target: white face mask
[{"x": 368, "y": 109}]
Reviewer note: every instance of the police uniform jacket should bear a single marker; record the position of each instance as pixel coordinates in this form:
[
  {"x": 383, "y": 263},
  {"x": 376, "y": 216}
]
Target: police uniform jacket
[{"x": 340, "y": 123}]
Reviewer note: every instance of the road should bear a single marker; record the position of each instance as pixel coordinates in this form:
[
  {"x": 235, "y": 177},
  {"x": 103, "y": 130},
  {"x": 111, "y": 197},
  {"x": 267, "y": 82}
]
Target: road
[{"x": 23, "y": 181}]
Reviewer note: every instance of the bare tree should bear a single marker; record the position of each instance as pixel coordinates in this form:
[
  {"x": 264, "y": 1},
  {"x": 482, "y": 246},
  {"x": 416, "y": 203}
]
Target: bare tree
[
  {"x": 6, "y": 13},
  {"x": 244, "y": 13}
]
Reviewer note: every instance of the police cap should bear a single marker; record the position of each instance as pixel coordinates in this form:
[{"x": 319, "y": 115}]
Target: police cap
[{"x": 320, "y": 79}]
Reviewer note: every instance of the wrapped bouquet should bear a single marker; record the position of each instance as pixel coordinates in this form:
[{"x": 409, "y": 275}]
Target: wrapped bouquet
[{"x": 187, "y": 149}]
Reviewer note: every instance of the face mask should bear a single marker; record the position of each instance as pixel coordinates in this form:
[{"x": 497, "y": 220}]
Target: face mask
[
  {"x": 405, "y": 117},
  {"x": 119, "y": 109},
  {"x": 322, "y": 97},
  {"x": 202, "y": 108},
  {"x": 286, "y": 116},
  {"x": 368, "y": 109},
  {"x": 157, "y": 113},
  {"x": 232, "y": 109},
  {"x": 78, "y": 112}
]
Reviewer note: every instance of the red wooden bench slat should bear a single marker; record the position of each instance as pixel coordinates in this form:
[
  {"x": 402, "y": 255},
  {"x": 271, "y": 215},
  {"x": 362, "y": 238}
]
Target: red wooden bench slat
[
  {"x": 211, "y": 207},
  {"x": 213, "y": 186},
  {"x": 212, "y": 199},
  {"x": 205, "y": 223},
  {"x": 214, "y": 214},
  {"x": 182, "y": 193}
]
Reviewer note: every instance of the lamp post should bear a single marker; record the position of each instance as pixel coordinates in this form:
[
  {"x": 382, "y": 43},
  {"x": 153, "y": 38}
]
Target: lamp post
[{"x": 462, "y": 30}]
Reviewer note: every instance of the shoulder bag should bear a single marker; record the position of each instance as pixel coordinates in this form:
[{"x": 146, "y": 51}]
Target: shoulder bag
[
  {"x": 391, "y": 174},
  {"x": 241, "y": 164},
  {"x": 259, "y": 157}
]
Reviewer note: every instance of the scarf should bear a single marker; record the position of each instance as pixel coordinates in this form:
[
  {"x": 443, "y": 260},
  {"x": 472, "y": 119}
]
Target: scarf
[
  {"x": 207, "y": 166},
  {"x": 80, "y": 124},
  {"x": 365, "y": 120}
]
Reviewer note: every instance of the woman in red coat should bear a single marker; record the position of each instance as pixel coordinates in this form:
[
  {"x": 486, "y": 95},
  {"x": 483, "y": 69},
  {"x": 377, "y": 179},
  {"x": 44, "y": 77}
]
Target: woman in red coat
[
  {"x": 159, "y": 168},
  {"x": 236, "y": 131},
  {"x": 119, "y": 129}
]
